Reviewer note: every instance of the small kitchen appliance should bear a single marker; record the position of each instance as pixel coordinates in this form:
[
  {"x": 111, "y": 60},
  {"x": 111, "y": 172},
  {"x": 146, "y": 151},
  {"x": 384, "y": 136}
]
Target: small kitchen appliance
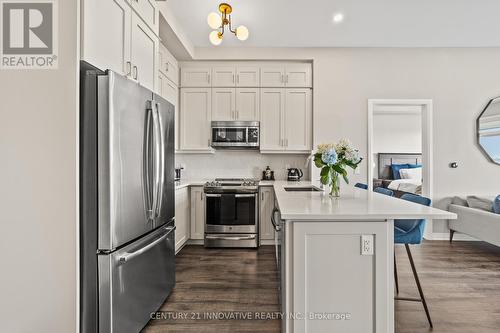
[
  {"x": 294, "y": 174},
  {"x": 235, "y": 134}
]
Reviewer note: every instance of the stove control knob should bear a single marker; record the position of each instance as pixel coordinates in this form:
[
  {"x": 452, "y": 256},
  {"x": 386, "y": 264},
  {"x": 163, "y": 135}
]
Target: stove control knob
[{"x": 207, "y": 184}]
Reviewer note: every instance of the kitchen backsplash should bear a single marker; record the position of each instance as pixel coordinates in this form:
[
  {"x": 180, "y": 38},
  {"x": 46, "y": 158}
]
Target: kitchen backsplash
[{"x": 232, "y": 164}]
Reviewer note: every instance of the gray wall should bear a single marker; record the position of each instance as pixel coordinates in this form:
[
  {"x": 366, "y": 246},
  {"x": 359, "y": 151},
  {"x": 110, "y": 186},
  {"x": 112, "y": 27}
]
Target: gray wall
[
  {"x": 459, "y": 81},
  {"x": 38, "y": 191}
]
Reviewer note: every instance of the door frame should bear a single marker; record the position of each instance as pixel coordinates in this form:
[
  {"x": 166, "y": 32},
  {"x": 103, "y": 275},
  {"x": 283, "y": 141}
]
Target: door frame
[{"x": 427, "y": 143}]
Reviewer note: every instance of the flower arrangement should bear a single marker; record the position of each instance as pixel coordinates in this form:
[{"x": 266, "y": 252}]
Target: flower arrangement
[{"x": 333, "y": 160}]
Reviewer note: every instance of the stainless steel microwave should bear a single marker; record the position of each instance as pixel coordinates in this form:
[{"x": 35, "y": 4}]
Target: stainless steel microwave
[{"x": 235, "y": 134}]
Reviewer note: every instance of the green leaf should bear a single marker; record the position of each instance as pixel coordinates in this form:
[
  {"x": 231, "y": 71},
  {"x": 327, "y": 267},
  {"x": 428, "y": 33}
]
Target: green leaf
[
  {"x": 324, "y": 171},
  {"x": 325, "y": 175},
  {"x": 318, "y": 162}
]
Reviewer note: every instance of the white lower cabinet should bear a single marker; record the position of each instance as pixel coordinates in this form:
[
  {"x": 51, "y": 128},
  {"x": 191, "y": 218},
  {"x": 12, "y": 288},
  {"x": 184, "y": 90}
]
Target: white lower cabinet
[
  {"x": 325, "y": 263},
  {"x": 197, "y": 212},
  {"x": 182, "y": 217},
  {"x": 266, "y": 206}
]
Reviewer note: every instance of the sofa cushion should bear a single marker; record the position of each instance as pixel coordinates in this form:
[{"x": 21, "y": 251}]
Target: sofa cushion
[
  {"x": 480, "y": 203},
  {"x": 496, "y": 204}
]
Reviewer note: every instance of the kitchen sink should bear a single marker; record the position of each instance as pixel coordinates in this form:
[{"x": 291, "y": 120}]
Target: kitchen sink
[{"x": 303, "y": 189}]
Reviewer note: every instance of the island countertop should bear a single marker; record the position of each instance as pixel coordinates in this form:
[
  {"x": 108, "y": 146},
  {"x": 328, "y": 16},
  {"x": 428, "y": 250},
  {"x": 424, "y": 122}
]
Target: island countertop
[{"x": 358, "y": 205}]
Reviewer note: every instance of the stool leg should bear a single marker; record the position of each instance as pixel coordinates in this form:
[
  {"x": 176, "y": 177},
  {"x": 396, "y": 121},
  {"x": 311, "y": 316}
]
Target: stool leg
[
  {"x": 396, "y": 274},
  {"x": 415, "y": 275}
]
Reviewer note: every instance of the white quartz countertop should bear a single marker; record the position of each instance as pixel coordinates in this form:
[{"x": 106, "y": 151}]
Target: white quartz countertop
[{"x": 359, "y": 205}]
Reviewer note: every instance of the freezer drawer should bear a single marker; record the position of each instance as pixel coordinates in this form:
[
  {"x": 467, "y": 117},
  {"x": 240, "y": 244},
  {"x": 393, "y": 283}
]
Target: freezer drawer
[{"x": 135, "y": 281}]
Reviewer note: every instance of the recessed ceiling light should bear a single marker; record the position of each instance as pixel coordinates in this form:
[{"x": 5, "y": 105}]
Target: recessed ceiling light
[{"x": 337, "y": 18}]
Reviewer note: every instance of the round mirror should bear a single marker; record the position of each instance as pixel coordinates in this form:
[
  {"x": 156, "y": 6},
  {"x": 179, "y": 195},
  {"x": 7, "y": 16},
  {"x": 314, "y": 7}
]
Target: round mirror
[{"x": 488, "y": 130}]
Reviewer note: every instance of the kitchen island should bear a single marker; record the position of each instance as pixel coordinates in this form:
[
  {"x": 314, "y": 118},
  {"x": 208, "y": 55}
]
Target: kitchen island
[{"x": 336, "y": 258}]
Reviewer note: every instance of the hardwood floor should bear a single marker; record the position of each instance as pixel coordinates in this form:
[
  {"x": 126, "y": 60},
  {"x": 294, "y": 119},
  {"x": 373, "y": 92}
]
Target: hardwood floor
[{"x": 461, "y": 282}]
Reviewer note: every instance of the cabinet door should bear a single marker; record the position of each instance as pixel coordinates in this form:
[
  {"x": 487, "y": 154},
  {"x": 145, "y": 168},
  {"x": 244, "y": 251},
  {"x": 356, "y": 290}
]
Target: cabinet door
[
  {"x": 195, "y": 118},
  {"x": 162, "y": 58},
  {"x": 223, "y": 77},
  {"x": 143, "y": 48},
  {"x": 169, "y": 90},
  {"x": 106, "y": 34},
  {"x": 196, "y": 77},
  {"x": 247, "y": 76},
  {"x": 223, "y": 104},
  {"x": 197, "y": 212},
  {"x": 266, "y": 209},
  {"x": 298, "y": 119},
  {"x": 298, "y": 75},
  {"x": 182, "y": 217},
  {"x": 168, "y": 65},
  {"x": 148, "y": 11},
  {"x": 272, "y": 76},
  {"x": 247, "y": 104},
  {"x": 272, "y": 105}
]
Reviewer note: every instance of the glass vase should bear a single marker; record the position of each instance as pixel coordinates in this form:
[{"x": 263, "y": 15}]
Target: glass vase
[{"x": 334, "y": 185}]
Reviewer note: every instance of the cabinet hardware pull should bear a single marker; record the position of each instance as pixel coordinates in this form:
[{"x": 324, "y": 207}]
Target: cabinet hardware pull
[
  {"x": 262, "y": 196},
  {"x": 166, "y": 66},
  {"x": 201, "y": 196},
  {"x": 208, "y": 78},
  {"x": 286, "y": 80},
  {"x": 135, "y": 74},
  {"x": 233, "y": 78},
  {"x": 237, "y": 78},
  {"x": 129, "y": 68}
]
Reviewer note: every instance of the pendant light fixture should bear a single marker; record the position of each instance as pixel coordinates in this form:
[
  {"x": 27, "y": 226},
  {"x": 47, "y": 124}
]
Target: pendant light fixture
[{"x": 221, "y": 22}]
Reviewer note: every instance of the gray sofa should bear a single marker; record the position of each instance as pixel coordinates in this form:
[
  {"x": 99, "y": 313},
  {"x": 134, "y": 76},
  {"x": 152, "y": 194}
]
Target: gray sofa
[{"x": 478, "y": 223}]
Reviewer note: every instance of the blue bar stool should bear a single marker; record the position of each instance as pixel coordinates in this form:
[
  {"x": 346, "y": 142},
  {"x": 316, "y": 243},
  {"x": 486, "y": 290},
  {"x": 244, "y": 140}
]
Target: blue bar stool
[
  {"x": 411, "y": 232},
  {"x": 361, "y": 186},
  {"x": 383, "y": 190}
]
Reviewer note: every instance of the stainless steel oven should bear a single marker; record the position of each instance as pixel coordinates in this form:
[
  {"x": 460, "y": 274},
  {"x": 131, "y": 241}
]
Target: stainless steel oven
[
  {"x": 232, "y": 213},
  {"x": 235, "y": 134}
]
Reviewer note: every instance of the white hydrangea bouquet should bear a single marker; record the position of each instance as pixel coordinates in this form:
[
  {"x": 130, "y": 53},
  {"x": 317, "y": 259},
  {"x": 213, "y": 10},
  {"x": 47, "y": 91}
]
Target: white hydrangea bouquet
[{"x": 333, "y": 160}]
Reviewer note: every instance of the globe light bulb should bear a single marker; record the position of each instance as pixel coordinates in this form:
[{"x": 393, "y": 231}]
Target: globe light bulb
[
  {"x": 214, "y": 37},
  {"x": 214, "y": 20},
  {"x": 242, "y": 32}
]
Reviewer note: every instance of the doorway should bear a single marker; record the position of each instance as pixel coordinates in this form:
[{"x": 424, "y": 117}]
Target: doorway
[{"x": 400, "y": 132}]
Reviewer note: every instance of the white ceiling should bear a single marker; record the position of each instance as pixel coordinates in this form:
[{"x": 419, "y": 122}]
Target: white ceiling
[{"x": 370, "y": 23}]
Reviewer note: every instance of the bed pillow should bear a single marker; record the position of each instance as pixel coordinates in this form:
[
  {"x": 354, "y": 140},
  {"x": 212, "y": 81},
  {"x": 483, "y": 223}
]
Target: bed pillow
[
  {"x": 413, "y": 166},
  {"x": 414, "y": 173},
  {"x": 459, "y": 201},
  {"x": 480, "y": 203},
  {"x": 395, "y": 170},
  {"x": 496, "y": 204}
]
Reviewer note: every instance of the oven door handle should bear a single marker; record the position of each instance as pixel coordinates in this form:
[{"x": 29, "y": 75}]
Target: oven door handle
[
  {"x": 213, "y": 195},
  {"x": 230, "y": 237},
  {"x": 244, "y": 195}
]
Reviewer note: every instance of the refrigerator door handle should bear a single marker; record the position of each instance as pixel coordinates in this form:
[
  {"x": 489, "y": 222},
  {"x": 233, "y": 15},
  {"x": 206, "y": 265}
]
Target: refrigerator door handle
[
  {"x": 161, "y": 161},
  {"x": 131, "y": 255},
  {"x": 148, "y": 197}
]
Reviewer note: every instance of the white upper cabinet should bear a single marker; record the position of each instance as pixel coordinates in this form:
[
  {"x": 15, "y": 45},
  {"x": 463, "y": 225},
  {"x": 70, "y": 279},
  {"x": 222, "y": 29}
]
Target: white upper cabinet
[
  {"x": 298, "y": 75},
  {"x": 272, "y": 106},
  {"x": 116, "y": 38},
  {"x": 196, "y": 77},
  {"x": 168, "y": 65},
  {"x": 285, "y": 120},
  {"x": 148, "y": 11},
  {"x": 272, "y": 76},
  {"x": 144, "y": 47},
  {"x": 223, "y": 104},
  {"x": 247, "y": 76},
  {"x": 106, "y": 34},
  {"x": 223, "y": 77},
  {"x": 298, "y": 119},
  {"x": 195, "y": 119},
  {"x": 247, "y": 104}
]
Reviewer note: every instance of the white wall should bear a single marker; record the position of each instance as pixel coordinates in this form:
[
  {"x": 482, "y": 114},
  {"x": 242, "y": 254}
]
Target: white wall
[
  {"x": 231, "y": 164},
  {"x": 459, "y": 81},
  {"x": 38, "y": 191},
  {"x": 396, "y": 133}
]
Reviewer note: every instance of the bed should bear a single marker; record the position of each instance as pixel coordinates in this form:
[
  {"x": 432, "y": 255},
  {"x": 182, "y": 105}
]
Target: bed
[{"x": 385, "y": 175}]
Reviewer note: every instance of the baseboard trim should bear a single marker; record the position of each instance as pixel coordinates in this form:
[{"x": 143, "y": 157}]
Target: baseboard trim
[
  {"x": 267, "y": 242},
  {"x": 457, "y": 237},
  {"x": 195, "y": 242}
]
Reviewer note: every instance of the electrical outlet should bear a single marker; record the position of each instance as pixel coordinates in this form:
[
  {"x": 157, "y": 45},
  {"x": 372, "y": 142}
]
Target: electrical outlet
[{"x": 367, "y": 245}]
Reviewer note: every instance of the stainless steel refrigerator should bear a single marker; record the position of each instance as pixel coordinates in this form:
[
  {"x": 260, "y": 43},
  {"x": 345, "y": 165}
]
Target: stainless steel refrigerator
[{"x": 127, "y": 253}]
